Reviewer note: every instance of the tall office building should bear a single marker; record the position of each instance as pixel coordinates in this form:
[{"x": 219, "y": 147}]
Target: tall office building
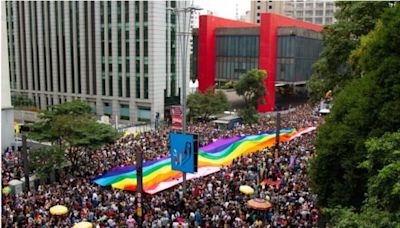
[
  {"x": 122, "y": 57},
  {"x": 7, "y": 113},
  {"x": 314, "y": 11}
]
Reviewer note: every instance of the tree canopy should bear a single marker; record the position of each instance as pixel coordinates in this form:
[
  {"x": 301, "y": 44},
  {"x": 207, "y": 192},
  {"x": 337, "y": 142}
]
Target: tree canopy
[
  {"x": 332, "y": 70},
  {"x": 252, "y": 87},
  {"x": 207, "y": 104},
  {"x": 366, "y": 108},
  {"x": 73, "y": 128}
]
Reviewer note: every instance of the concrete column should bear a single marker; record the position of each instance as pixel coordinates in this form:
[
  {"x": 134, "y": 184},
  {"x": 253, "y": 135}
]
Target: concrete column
[
  {"x": 17, "y": 41},
  {"x": 82, "y": 29},
  {"x": 89, "y": 22},
  {"x": 7, "y": 113},
  {"x": 54, "y": 46},
  {"x": 76, "y": 60},
  {"x": 99, "y": 103},
  {"x": 28, "y": 39},
  {"x": 39, "y": 79},
  {"x": 68, "y": 48}
]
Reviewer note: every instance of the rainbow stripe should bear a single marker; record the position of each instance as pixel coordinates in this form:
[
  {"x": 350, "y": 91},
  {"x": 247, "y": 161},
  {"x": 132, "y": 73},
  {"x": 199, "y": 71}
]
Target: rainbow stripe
[{"x": 158, "y": 175}]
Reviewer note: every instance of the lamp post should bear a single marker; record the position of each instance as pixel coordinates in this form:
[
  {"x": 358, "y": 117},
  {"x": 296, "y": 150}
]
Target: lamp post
[{"x": 183, "y": 33}]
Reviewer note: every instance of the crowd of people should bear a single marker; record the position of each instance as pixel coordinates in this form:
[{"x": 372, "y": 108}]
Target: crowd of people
[{"x": 212, "y": 201}]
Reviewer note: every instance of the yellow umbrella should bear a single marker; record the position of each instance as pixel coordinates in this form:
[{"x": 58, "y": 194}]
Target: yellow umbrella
[
  {"x": 246, "y": 189},
  {"x": 58, "y": 210},
  {"x": 83, "y": 225}
]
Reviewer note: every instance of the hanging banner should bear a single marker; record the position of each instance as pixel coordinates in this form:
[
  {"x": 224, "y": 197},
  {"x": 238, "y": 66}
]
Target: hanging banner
[{"x": 176, "y": 116}]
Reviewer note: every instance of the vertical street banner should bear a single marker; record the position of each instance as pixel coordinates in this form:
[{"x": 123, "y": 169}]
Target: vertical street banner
[{"x": 176, "y": 116}]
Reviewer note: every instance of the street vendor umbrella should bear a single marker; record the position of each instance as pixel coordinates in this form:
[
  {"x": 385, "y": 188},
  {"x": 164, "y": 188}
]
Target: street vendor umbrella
[
  {"x": 259, "y": 204},
  {"x": 58, "y": 210},
  {"x": 7, "y": 190},
  {"x": 246, "y": 189},
  {"x": 83, "y": 225}
]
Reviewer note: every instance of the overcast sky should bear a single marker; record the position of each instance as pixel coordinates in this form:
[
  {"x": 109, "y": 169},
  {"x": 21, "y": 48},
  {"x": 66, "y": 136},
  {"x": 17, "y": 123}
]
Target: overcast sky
[{"x": 224, "y": 8}]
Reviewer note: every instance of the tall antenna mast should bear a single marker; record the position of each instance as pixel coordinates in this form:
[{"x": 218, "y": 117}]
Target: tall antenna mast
[{"x": 237, "y": 11}]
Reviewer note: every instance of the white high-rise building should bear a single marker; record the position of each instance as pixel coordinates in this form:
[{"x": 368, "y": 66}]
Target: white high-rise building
[
  {"x": 314, "y": 11},
  {"x": 122, "y": 57},
  {"x": 7, "y": 113}
]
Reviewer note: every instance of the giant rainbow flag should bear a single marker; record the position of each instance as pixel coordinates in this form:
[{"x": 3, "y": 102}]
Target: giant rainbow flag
[{"x": 158, "y": 175}]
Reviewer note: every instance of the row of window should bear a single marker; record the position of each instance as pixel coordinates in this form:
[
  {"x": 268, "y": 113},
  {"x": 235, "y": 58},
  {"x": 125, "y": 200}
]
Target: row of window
[
  {"x": 143, "y": 113},
  {"x": 48, "y": 52},
  {"x": 171, "y": 42},
  {"x": 120, "y": 27}
]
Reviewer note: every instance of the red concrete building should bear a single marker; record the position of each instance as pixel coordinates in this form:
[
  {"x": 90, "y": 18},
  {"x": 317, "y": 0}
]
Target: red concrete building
[{"x": 244, "y": 45}]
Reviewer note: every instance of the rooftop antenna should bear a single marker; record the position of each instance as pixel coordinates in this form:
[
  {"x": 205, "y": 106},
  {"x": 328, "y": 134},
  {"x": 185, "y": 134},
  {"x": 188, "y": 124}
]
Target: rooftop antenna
[{"x": 237, "y": 11}]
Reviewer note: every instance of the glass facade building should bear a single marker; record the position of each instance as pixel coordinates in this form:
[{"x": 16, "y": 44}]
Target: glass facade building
[
  {"x": 237, "y": 51},
  {"x": 112, "y": 54}
]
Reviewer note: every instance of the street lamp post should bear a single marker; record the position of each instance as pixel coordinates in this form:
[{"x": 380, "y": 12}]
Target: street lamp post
[{"x": 183, "y": 32}]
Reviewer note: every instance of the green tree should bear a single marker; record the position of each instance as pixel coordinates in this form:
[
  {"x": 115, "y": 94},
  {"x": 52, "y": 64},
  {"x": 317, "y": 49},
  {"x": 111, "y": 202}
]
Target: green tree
[
  {"x": 72, "y": 126},
  {"x": 383, "y": 164},
  {"x": 368, "y": 217},
  {"x": 368, "y": 106},
  {"x": 207, "y": 104},
  {"x": 382, "y": 207},
  {"x": 252, "y": 87},
  {"x": 332, "y": 71},
  {"x": 46, "y": 160}
]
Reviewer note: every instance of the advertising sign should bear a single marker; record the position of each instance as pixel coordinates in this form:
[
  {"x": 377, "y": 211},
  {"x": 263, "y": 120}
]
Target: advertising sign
[
  {"x": 184, "y": 150},
  {"x": 176, "y": 115}
]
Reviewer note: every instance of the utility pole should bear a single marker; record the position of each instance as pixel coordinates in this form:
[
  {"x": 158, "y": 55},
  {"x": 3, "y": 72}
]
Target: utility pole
[
  {"x": 278, "y": 128},
  {"x": 183, "y": 16},
  {"x": 25, "y": 162},
  {"x": 139, "y": 178}
]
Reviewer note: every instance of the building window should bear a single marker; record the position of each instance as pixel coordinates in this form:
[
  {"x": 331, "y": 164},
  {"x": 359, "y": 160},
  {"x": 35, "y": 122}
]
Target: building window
[
  {"x": 258, "y": 21},
  {"x": 127, "y": 12},
  {"x": 119, "y": 16},
  {"x": 258, "y": 14},
  {"x": 127, "y": 66},
  {"x": 318, "y": 20},
  {"x": 328, "y": 20},
  {"x": 146, "y": 87},
  {"x": 258, "y": 7},
  {"x": 270, "y": 7},
  {"x": 107, "y": 109},
  {"x": 329, "y": 13},
  {"x": 144, "y": 114},
  {"x": 137, "y": 12},
  {"x": 137, "y": 48},
  {"x": 119, "y": 85},
  {"x": 103, "y": 86},
  {"x": 119, "y": 42},
  {"x": 137, "y": 66},
  {"x": 145, "y": 48},
  {"x": 319, "y": 13},
  {"x": 124, "y": 112},
  {"x": 299, "y": 13},
  {"x": 110, "y": 83},
  {"x": 128, "y": 86},
  {"x": 137, "y": 87}
]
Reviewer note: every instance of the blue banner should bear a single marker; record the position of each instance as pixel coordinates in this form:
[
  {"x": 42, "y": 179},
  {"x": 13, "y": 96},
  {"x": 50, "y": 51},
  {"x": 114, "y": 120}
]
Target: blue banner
[{"x": 183, "y": 149}]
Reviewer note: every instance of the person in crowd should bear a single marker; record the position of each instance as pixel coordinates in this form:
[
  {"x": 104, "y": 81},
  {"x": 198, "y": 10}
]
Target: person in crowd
[{"x": 278, "y": 176}]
